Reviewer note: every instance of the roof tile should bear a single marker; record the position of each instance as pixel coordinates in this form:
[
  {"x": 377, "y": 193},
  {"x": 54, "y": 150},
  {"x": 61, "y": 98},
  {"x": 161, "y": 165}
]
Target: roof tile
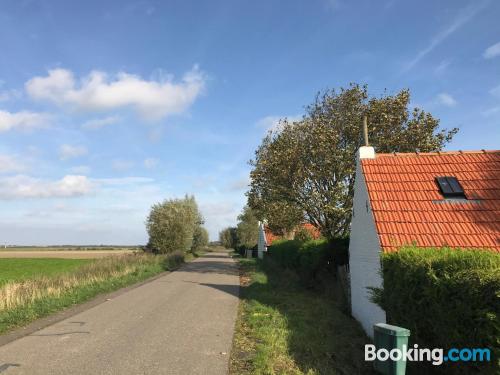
[{"x": 408, "y": 206}]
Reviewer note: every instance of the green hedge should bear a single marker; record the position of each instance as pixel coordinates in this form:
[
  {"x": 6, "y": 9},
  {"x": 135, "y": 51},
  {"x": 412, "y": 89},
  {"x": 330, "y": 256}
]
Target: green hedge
[
  {"x": 447, "y": 298},
  {"x": 310, "y": 258}
]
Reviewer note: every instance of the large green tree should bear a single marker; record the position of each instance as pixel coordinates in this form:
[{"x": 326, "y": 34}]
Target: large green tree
[
  {"x": 308, "y": 166},
  {"x": 172, "y": 224}
]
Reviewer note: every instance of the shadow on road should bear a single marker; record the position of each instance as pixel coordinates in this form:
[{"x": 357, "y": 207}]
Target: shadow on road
[{"x": 234, "y": 290}]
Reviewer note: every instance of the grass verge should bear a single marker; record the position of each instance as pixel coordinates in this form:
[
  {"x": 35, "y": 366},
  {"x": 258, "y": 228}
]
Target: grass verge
[
  {"x": 283, "y": 328},
  {"x": 24, "y": 301}
]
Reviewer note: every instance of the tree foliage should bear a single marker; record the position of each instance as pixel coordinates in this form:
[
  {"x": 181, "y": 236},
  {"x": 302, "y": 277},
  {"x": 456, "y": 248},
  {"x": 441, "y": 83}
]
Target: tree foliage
[
  {"x": 305, "y": 169},
  {"x": 244, "y": 235},
  {"x": 247, "y": 230},
  {"x": 228, "y": 238},
  {"x": 200, "y": 239},
  {"x": 172, "y": 225}
]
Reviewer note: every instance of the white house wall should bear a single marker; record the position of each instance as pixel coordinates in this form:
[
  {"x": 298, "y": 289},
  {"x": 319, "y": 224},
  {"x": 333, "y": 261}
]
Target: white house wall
[{"x": 364, "y": 258}]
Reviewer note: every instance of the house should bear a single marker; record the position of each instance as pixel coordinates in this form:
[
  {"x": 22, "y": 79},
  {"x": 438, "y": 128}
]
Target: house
[
  {"x": 426, "y": 199},
  {"x": 267, "y": 237}
]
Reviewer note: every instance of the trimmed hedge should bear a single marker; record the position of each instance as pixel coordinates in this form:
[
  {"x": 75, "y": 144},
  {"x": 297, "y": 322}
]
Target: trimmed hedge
[
  {"x": 446, "y": 297},
  {"x": 310, "y": 258}
]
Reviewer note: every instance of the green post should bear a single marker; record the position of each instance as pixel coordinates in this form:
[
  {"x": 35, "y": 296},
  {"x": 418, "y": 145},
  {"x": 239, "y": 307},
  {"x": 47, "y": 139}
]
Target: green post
[{"x": 390, "y": 337}]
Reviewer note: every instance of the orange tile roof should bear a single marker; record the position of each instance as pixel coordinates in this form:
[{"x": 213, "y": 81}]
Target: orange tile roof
[
  {"x": 409, "y": 208},
  {"x": 271, "y": 237}
]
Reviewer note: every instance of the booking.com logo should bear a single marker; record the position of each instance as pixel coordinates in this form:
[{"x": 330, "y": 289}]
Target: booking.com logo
[{"x": 436, "y": 356}]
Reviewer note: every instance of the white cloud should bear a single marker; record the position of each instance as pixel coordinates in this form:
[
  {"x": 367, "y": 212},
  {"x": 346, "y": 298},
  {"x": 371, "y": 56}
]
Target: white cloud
[
  {"x": 464, "y": 16},
  {"x": 151, "y": 163},
  {"x": 99, "y": 123},
  {"x": 122, "y": 165},
  {"x": 80, "y": 169},
  {"x": 273, "y": 122},
  {"x": 69, "y": 151},
  {"x": 9, "y": 163},
  {"x": 446, "y": 100},
  {"x": 153, "y": 99},
  {"x": 22, "y": 186},
  {"x": 22, "y": 120},
  {"x": 492, "y": 51}
]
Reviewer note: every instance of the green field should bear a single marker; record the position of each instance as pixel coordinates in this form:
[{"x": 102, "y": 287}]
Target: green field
[
  {"x": 20, "y": 269},
  {"x": 68, "y": 248}
]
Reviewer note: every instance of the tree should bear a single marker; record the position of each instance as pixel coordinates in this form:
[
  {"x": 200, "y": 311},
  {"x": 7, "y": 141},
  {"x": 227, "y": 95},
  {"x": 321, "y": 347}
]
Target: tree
[
  {"x": 171, "y": 224},
  {"x": 281, "y": 217},
  {"x": 247, "y": 230},
  {"x": 228, "y": 238},
  {"x": 200, "y": 239},
  {"x": 308, "y": 166}
]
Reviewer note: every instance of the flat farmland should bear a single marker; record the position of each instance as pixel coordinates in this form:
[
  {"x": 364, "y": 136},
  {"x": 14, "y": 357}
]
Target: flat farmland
[
  {"x": 65, "y": 252},
  {"x": 17, "y": 269}
]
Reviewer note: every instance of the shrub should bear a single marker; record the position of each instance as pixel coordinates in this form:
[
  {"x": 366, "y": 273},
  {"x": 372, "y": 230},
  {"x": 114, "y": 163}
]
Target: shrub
[
  {"x": 171, "y": 225},
  {"x": 174, "y": 260},
  {"x": 314, "y": 256},
  {"x": 447, "y": 298},
  {"x": 310, "y": 258},
  {"x": 341, "y": 250},
  {"x": 303, "y": 235},
  {"x": 285, "y": 253}
]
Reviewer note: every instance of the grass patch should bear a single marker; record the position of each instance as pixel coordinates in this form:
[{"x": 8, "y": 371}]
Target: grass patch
[
  {"x": 16, "y": 269},
  {"x": 23, "y": 301},
  {"x": 284, "y": 328}
]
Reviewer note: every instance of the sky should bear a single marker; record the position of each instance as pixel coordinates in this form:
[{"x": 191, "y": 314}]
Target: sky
[{"x": 107, "y": 107}]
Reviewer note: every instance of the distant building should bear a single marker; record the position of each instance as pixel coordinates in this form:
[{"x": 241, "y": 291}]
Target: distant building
[{"x": 267, "y": 237}]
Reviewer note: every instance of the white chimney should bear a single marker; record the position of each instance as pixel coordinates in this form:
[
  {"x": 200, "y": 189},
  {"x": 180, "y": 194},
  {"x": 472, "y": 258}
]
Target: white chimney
[{"x": 366, "y": 152}]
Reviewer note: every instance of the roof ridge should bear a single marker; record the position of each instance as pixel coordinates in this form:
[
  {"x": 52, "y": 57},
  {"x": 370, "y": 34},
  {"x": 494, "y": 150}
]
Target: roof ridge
[{"x": 436, "y": 153}]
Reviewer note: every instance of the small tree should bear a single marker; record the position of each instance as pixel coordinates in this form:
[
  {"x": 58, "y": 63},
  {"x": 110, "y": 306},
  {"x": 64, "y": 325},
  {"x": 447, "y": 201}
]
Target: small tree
[
  {"x": 171, "y": 225},
  {"x": 228, "y": 238},
  {"x": 247, "y": 229},
  {"x": 200, "y": 239}
]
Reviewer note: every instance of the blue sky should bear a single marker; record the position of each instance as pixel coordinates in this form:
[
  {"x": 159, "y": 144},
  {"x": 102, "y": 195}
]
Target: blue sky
[{"x": 109, "y": 107}]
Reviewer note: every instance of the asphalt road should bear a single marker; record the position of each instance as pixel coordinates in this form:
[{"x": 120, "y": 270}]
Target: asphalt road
[{"x": 181, "y": 323}]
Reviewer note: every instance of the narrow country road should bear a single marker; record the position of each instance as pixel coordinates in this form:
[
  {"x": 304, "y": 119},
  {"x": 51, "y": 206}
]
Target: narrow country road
[{"x": 181, "y": 323}]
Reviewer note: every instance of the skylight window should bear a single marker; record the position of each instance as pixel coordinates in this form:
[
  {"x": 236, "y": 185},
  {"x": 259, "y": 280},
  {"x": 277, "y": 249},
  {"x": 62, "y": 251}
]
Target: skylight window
[{"x": 450, "y": 187}]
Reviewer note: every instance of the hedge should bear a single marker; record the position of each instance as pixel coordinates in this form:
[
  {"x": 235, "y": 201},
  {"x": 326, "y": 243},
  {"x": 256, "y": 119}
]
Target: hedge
[
  {"x": 310, "y": 258},
  {"x": 446, "y": 297}
]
